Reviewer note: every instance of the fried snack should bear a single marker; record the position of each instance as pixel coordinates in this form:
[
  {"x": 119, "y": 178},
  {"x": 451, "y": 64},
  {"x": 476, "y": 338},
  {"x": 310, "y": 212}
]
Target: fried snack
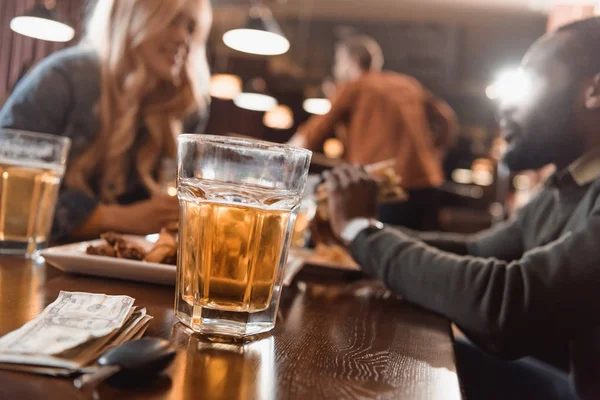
[
  {"x": 164, "y": 250},
  {"x": 112, "y": 238},
  {"x": 129, "y": 251},
  {"x": 162, "y": 255},
  {"x": 123, "y": 248},
  {"x": 105, "y": 250}
]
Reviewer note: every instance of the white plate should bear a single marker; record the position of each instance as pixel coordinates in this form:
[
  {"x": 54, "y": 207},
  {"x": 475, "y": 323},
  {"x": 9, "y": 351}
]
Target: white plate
[{"x": 72, "y": 258}]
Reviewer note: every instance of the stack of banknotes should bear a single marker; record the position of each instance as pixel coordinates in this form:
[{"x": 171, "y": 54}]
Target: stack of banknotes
[{"x": 71, "y": 333}]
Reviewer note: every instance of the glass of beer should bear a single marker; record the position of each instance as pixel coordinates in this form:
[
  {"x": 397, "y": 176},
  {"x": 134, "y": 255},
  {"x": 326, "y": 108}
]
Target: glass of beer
[
  {"x": 239, "y": 200},
  {"x": 31, "y": 168}
]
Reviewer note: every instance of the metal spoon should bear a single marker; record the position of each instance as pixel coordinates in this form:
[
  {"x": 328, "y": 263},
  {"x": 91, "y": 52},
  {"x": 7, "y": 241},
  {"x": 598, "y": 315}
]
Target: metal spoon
[{"x": 130, "y": 362}]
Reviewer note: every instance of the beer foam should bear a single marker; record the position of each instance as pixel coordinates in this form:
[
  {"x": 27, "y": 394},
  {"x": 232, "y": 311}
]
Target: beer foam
[{"x": 59, "y": 169}]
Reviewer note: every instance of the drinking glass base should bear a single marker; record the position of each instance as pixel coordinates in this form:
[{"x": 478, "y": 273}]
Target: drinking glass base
[
  {"x": 21, "y": 249},
  {"x": 235, "y": 324}
]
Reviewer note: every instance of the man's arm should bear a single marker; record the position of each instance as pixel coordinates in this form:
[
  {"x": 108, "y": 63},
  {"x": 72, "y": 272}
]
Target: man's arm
[
  {"x": 507, "y": 306},
  {"x": 450, "y": 242},
  {"x": 483, "y": 244},
  {"x": 314, "y": 132}
]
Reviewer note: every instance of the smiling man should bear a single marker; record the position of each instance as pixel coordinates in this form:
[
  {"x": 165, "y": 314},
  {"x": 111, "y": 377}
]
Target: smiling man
[{"x": 531, "y": 286}]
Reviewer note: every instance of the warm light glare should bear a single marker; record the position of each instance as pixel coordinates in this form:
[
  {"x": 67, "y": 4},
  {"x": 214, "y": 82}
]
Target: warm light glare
[
  {"x": 333, "y": 148},
  {"x": 225, "y": 86},
  {"x": 41, "y": 28},
  {"x": 256, "y": 42},
  {"x": 172, "y": 191},
  {"x": 463, "y": 176},
  {"x": 512, "y": 86},
  {"x": 483, "y": 177},
  {"x": 317, "y": 106},
  {"x": 281, "y": 117},
  {"x": 255, "y": 102}
]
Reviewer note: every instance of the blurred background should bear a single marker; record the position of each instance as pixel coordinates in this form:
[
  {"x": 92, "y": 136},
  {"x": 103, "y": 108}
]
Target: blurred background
[{"x": 459, "y": 49}]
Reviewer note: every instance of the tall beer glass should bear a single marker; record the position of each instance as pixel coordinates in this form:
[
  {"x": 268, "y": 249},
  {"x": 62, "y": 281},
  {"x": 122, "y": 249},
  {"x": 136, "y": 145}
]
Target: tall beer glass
[
  {"x": 238, "y": 200},
  {"x": 31, "y": 168}
]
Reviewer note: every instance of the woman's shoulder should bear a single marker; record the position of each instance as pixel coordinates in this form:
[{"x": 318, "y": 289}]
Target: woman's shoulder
[
  {"x": 76, "y": 70},
  {"x": 72, "y": 61}
]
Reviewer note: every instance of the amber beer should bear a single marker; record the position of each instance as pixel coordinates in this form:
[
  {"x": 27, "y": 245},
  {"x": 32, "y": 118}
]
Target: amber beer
[
  {"x": 238, "y": 200},
  {"x": 230, "y": 251},
  {"x": 28, "y": 193}
]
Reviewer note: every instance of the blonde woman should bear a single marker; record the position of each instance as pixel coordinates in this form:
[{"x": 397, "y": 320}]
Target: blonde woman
[{"x": 137, "y": 80}]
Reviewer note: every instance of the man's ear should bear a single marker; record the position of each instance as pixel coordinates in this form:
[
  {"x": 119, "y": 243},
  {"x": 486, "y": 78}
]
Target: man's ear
[{"x": 592, "y": 94}]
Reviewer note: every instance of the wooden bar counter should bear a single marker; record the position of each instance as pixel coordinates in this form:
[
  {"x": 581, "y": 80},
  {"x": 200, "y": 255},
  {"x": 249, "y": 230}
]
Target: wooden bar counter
[{"x": 340, "y": 337}]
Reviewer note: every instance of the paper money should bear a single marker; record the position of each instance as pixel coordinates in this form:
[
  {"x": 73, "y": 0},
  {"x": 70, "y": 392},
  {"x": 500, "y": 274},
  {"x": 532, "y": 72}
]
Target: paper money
[
  {"x": 72, "y": 332},
  {"x": 74, "y": 318}
]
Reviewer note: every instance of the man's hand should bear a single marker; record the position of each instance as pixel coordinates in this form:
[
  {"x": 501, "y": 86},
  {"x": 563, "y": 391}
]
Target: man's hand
[{"x": 352, "y": 193}]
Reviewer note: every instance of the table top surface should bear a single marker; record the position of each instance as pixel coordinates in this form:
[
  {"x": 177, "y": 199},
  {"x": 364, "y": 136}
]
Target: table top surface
[{"x": 336, "y": 337}]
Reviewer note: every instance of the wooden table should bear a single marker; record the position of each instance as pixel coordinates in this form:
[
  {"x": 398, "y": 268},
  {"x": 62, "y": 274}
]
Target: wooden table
[{"x": 335, "y": 338}]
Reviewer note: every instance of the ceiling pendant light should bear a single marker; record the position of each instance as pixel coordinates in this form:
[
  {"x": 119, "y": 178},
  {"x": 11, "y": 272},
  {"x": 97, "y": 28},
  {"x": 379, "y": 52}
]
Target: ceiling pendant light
[
  {"x": 317, "y": 105},
  {"x": 261, "y": 34},
  {"x": 316, "y": 100},
  {"x": 281, "y": 117},
  {"x": 255, "y": 97},
  {"x": 41, "y": 22},
  {"x": 225, "y": 86}
]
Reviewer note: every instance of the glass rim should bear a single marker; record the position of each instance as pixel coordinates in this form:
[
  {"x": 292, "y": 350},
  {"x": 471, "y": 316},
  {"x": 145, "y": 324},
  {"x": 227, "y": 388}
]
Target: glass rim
[
  {"x": 236, "y": 142},
  {"x": 38, "y": 135}
]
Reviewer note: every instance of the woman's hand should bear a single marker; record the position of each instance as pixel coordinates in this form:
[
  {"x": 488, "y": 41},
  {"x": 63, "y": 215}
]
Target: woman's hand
[{"x": 141, "y": 218}]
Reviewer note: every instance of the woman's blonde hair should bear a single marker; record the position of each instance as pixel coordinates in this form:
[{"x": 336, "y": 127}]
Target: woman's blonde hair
[{"x": 115, "y": 31}]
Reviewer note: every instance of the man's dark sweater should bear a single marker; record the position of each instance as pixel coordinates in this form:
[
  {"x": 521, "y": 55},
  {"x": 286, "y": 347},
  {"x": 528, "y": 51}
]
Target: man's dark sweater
[{"x": 525, "y": 287}]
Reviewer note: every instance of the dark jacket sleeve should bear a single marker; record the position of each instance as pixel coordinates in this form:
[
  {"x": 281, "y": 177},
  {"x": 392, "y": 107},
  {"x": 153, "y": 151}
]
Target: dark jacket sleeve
[
  {"x": 507, "y": 307},
  {"x": 42, "y": 102},
  {"x": 484, "y": 244},
  {"x": 451, "y": 242}
]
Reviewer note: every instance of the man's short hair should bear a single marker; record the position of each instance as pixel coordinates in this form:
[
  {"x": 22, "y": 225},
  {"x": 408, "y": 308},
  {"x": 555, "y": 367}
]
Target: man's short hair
[
  {"x": 365, "y": 50},
  {"x": 582, "y": 49}
]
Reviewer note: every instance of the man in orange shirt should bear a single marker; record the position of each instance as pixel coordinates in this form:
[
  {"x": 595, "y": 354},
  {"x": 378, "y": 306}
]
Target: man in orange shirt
[{"x": 387, "y": 115}]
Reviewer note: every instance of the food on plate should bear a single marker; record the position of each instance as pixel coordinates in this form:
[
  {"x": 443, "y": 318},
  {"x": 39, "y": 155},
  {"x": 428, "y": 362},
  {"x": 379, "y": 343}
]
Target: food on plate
[
  {"x": 334, "y": 254},
  {"x": 105, "y": 250},
  {"x": 164, "y": 250},
  {"x": 123, "y": 248}
]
